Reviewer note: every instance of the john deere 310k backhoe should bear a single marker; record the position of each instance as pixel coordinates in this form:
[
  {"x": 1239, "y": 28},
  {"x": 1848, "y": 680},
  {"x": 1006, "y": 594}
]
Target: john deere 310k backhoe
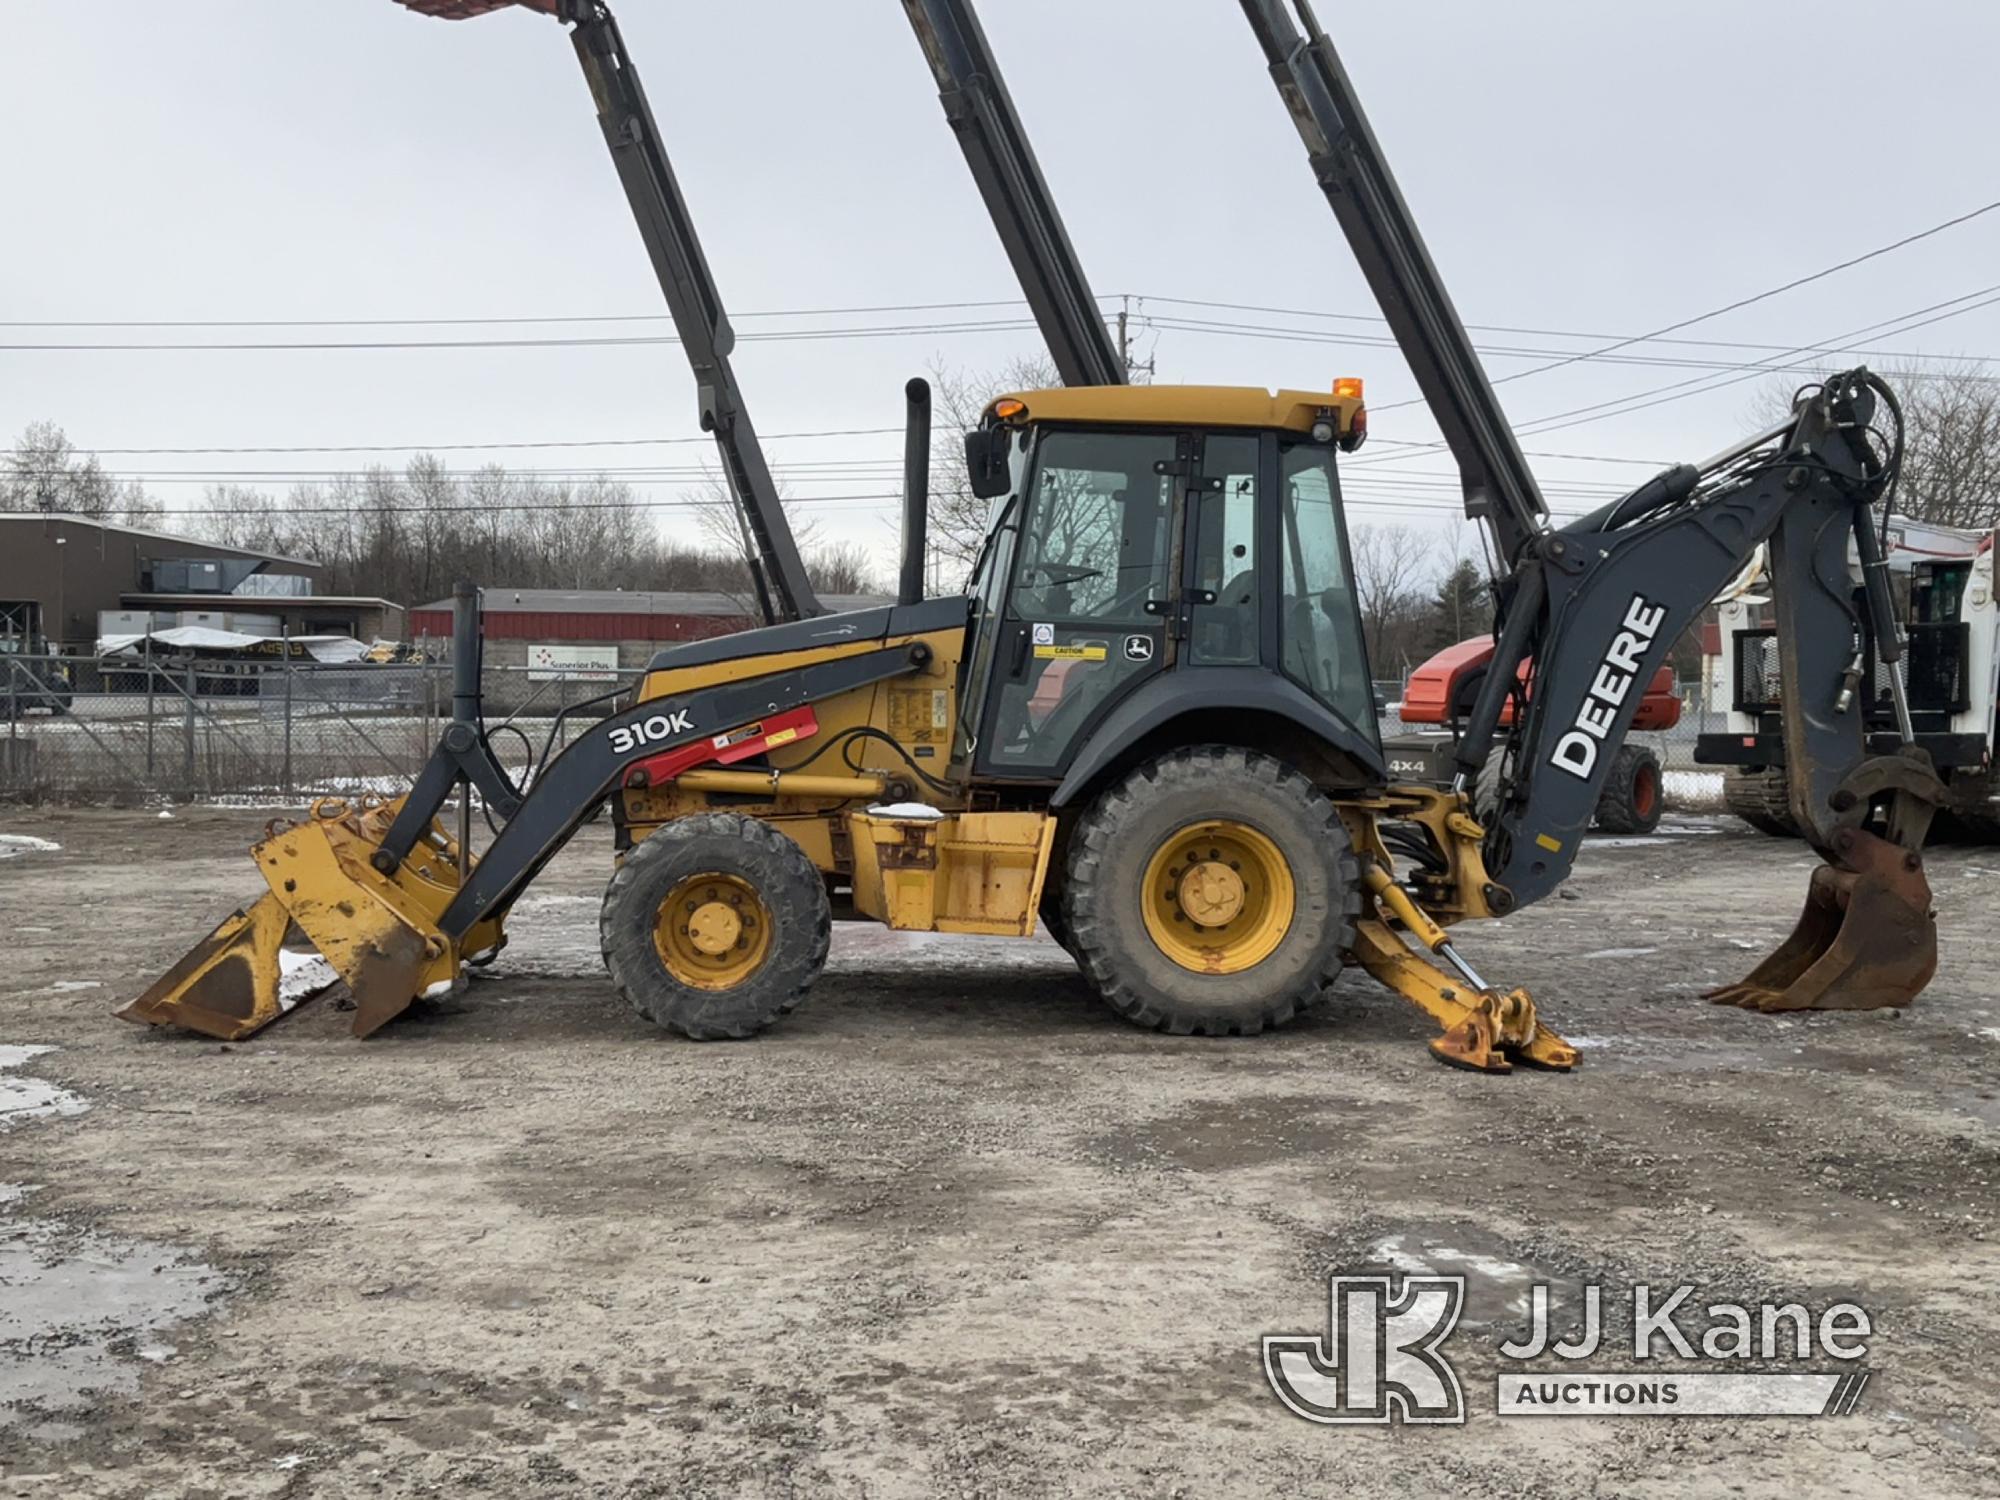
[{"x": 1149, "y": 722}]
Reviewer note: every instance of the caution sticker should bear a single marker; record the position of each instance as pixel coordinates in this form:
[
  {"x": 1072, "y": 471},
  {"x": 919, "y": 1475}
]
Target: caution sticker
[{"x": 1070, "y": 653}]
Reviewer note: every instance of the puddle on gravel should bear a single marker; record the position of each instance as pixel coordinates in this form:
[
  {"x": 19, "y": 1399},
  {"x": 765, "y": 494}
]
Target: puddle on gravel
[
  {"x": 79, "y": 1311},
  {"x": 27, "y": 1098}
]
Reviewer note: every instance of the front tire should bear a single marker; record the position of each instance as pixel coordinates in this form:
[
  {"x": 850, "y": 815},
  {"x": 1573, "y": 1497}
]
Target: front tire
[
  {"x": 1213, "y": 891},
  {"x": 715, "y": 926}
]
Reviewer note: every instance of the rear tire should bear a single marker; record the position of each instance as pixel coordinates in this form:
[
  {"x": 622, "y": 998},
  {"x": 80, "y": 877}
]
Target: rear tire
[
  {"x": 1632, "y": 795},
  {"x": 715, "y": 926},
  {"x": 1760, "y": 798},
  {"x": 1139, "y": 889}
]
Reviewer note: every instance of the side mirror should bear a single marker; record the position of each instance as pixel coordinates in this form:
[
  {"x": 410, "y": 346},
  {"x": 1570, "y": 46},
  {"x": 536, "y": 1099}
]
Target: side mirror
[{"x": 986, "y": 462}]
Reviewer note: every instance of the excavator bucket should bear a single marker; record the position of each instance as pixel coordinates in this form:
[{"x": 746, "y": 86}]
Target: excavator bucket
[
  {"x": 1866, "y": 940},
  {"x": 377, "y": 930}
]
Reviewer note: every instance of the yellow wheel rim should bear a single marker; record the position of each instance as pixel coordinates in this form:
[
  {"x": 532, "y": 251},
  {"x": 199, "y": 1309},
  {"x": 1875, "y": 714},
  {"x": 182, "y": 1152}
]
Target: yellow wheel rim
[
  {"x": 713, "y": 932},
  {"x": 1218, "y": 897}
]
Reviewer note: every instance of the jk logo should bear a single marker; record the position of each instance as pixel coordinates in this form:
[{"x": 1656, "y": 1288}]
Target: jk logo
[{"x": 1379, "y": 1360}]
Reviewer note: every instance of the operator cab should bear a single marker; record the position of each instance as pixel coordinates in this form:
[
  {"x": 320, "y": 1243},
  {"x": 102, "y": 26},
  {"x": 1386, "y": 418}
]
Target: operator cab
[{"x": 1138, "y": 530}]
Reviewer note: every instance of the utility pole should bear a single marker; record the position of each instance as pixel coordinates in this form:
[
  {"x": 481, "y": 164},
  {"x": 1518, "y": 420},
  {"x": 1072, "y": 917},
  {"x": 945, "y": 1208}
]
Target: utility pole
[{"x": 1125, "y": 359}]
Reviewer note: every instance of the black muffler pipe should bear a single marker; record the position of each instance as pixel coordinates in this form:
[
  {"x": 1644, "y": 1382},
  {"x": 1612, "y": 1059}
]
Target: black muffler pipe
[
  {"x": 465, "y": 653},
  {"x": 916, "y": 489}
]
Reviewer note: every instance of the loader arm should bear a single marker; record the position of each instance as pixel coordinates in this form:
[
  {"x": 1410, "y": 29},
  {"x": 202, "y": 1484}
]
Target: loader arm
[
  {"x": 396, "y": 907},
  {"x": 1003, "y": 164},
  {"x": 640, "y": 154}
]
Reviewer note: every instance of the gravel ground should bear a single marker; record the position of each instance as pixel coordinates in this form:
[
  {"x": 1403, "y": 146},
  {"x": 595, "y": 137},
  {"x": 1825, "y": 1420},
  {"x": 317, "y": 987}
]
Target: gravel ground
[{"x": 953, "y": 1229}]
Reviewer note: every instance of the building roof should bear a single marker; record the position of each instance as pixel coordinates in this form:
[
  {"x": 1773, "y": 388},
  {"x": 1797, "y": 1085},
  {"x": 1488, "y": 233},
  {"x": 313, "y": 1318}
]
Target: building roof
[
  {"x": 633, "y": 602},
  {"x": 91, "y": 523},
  {"x": 255, "y": 604},
  {"x": 1187, "y": 406}
]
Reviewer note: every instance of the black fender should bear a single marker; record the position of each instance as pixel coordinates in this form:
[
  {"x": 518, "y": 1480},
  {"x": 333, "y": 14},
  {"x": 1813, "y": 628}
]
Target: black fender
[{"x": 1206, "y": 690}]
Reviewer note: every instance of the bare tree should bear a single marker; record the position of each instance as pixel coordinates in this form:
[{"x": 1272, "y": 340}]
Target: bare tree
[
  {"x": 1951, "y": 466},
  {"x": 838, "y": 568},
  {"x": 958, "y": 518},
  {"x": 1392, "y": 569},
  {"x": 45, "y": 472}
]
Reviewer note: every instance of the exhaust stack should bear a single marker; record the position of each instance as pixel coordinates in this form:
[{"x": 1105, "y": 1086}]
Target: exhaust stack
[{"x": 916, "y": 489}]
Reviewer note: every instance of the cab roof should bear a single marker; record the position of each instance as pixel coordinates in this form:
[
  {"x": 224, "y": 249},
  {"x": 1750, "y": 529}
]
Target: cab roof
[{"x": 1185, "y": 406}]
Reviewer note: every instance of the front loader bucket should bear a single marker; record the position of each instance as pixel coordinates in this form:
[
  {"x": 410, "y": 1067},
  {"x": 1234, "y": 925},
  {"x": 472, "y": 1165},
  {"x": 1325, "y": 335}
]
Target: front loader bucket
[
  {"x": 229, "y": 983},
  {"x": 377, "y": 930},
  {"x": 1866, "y": 940}
]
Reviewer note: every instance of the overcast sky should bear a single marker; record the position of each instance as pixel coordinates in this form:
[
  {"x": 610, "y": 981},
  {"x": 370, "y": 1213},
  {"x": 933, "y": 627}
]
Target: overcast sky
[{"x": 1577, "y": 166}]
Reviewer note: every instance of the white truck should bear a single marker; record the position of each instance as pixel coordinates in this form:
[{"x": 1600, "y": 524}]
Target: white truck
[{"x": 1947, "y": 587}]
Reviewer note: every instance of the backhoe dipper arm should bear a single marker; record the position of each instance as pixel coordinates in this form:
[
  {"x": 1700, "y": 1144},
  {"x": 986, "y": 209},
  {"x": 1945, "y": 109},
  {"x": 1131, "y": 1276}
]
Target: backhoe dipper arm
[
  {"x": 783, "y": 591},
  {"x": 1499, "y": 488},
  {"x": 1602, "y": 604},
  {"x": 989, "y": 131}
]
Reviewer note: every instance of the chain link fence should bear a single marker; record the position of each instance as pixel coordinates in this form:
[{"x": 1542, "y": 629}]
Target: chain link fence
[
  {"x": 128, "y": 728},
  {"x": 125, "y": 728}
]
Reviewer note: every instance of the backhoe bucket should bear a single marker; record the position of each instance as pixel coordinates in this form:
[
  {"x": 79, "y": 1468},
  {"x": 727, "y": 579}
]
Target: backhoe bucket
[
  {"x": 1866, "y": 940},
  {"x": 378, "y": 931}
]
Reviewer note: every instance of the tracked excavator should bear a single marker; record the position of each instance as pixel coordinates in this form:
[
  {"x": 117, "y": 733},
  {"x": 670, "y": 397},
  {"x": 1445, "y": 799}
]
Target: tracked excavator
[{"x": 1151, "y": 712}]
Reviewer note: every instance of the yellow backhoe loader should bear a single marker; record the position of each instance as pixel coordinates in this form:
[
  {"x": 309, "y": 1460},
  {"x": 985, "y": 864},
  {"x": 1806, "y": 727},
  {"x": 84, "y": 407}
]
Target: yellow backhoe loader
[{"x": 1148, "y": 725}]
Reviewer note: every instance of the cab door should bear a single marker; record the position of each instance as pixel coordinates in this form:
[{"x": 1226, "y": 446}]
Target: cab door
[{"x": 1092, "y": 596}]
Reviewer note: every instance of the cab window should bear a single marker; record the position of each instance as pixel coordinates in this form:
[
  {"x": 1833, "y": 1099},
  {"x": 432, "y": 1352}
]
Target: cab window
[
  {"x": 1319, "y": 626},
  {"x": 1095, "y": 543}
]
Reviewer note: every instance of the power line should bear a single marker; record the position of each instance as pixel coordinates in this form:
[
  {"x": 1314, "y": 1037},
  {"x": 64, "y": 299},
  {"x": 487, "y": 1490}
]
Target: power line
[
  {"x": 1763, "y": 296},
  {"x": 1809, "y": 353},
  {"x": 1507, "y": 328},
  {"x": 768, "y": 437},
  {"x": 324, "y": 346},
  {"x": 490, "y": 322},
  {"x": 1493, "y": 351},
  {"x": 1680, "y": 390}
]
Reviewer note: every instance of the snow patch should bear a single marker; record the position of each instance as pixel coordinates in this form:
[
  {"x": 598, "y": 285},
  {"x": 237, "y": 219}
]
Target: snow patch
[
  {"x": 1990, "y": 1033},
  {"x": 916, "y": 811},
  {"x": 301, "y": 976},
  {"x": 1621, "y": 952},
  {"x": 31, "y": 1098},
  {"x": 1692, "y": 788},
  {"x": 14, "y": 845},
  {"x": 71, "y": 986}
]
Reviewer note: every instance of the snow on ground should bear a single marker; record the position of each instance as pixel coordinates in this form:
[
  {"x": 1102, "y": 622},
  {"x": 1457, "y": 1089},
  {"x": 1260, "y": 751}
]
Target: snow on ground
[
  {"x": 31, "y": 1098},
  {"x": 1692, "y": 788},
  {"x": 301, "y": 976},
  {"x": 13, "y": 845}
]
